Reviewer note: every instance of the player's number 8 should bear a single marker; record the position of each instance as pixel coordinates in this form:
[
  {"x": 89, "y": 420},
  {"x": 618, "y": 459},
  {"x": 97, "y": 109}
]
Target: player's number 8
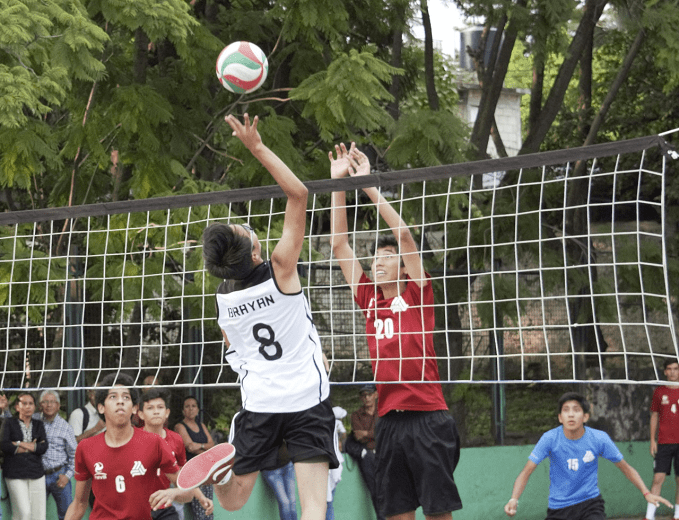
[{"x": 267, "y": 341}]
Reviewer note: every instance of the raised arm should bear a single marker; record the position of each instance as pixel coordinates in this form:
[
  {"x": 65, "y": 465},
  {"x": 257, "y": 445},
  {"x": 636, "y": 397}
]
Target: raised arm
[
  {"x": 519, "y": 486},
  {"x": 286, "y": 253},
  {"x": 349, "y": 264},
  {"x": 635, "y": 479},
  {"x": 360, "y": 165}
]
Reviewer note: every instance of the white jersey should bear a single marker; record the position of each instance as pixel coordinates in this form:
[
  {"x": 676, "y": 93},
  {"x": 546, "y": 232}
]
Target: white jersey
[{"x": 275, "y": 348}]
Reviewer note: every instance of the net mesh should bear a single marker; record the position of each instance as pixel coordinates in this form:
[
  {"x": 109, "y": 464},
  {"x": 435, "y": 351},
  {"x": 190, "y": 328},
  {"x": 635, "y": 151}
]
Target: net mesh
[{"x": 546, "y": 267}]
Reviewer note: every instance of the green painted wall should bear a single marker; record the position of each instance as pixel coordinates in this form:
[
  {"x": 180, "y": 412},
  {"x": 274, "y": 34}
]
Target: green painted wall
[{"x": 484, "y": 477}]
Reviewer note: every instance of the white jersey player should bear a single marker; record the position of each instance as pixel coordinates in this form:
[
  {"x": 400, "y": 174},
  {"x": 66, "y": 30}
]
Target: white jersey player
[{"x": 273, "y": 346}]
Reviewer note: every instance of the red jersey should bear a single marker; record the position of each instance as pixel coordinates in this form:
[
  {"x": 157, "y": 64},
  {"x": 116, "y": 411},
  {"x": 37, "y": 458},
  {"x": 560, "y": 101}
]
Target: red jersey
[
  {"x": 123, "y": 478},
  {"x": 176, "y": 445},
  {"x": 666, "y": 403},
  {"x": 401, "y": 343}
]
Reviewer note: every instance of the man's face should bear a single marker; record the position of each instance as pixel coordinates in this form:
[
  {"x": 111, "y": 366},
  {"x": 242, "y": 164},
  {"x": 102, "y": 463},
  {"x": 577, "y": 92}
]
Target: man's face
[
  {"x": 386, "y": 266},
  {"x": 91, "y": 396},
  {"x": 572, "y": 416},
  {"x": 368, "y": 398},
  {"x": 118, "y": 407},
  {"x": 672, "y": 372},
  {"x": 49, "y": 406},
  {"x": 154, "y": 412}
]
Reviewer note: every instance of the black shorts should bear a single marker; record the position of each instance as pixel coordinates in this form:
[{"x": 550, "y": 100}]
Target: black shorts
[
  {"x": 258, "y": 436},
  {"x": 592, "y": 509},
  {"x": 662, "y": 462},
  {"x": 416, "y": 455}
]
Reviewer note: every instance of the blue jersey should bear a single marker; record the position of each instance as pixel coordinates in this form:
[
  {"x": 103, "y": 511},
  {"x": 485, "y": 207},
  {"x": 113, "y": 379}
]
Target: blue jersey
[{"x": 573, "y": 465}]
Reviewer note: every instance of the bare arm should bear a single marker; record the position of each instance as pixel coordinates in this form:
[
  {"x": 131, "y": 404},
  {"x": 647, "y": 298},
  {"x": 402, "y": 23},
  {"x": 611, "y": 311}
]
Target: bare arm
[
  {"x": 654, "y": 433},
  {"x": 635, "y": 479},
  {"x": 349, "y": 264},
  {"x": 360, "y": 165},
  {"x": 286, "y": 253},
  {"x": 80, "y": 501},
  {"x": 97, "y": 428},
  {"x": 193, "y": 447},
  {"x": 210, "y": 441},
  {"x": 519, "y": 486}
]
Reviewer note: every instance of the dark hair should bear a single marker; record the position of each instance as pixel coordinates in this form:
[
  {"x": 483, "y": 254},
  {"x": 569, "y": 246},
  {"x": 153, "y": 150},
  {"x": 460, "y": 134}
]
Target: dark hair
[
  {"x": 227, "y": 254},
  {"x": 384, "y": 241},
  {"x": 574, "y": 396},
  {"x": 190, "y": 397},
  {"x": 21, "y": 394},
  {"x": 668, "y": 362},
  {"x": 112, "y": 380},
  {"x": 154, "y": 393}
]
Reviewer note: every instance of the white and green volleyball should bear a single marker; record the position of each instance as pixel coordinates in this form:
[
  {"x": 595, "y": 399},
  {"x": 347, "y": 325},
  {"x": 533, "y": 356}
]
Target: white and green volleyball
[{"x": 242, "y": 67}]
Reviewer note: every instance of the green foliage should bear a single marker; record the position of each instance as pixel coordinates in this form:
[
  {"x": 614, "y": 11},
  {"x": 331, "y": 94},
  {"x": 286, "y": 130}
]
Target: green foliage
[
  {"x": 346, "y": 96},
  {"x": 427, "y": 138}
]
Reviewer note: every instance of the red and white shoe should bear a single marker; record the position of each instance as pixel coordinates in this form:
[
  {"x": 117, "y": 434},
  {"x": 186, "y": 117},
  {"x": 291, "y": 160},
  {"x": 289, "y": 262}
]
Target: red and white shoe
[{"x": 211, "y": 467}]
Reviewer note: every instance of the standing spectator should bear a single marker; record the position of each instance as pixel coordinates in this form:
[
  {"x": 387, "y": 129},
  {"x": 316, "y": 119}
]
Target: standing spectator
[
  {"x": 665, "y": 424},
  {"x": 23, "y": 443},
  {"x": 148, "y": 383},
  {"x": 85, "y": 420},
  {"x": 361, "y": 444},
  {"x": 4, "y": 407},
  {"x": 197, "y": 440},
  {"x": 59, "y": 459},
  {"x": 154, "y": 412},
  {"x": 335, "y": 474},
  {"x": 418, "y": 446},
  {"x": 282, "y": 482}
]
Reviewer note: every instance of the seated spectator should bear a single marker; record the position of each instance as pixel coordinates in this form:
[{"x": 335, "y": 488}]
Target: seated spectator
[
  {"x": 85, "y": 420},
  {"x": 361, "y": 443},
  {"x": 23, "y": 442},
  {"x": 154, "y": 412},
  {"x": 59, "y": 459},
  {"x": 282, "y": 482},
  {"x": 197, "y": 439}
]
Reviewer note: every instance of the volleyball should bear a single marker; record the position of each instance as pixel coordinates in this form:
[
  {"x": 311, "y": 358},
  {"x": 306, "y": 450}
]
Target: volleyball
[{"x": 242, "y": 67}]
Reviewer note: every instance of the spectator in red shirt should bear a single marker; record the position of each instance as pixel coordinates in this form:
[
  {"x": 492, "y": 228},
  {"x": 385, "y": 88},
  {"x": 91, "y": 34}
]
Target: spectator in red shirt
[
  {"x": 153, "y": 414},
  {"x": 665, "y": 424}
]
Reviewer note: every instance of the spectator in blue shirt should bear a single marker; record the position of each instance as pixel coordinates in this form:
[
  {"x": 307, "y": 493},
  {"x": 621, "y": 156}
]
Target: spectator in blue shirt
[
  {"x": 573, "y": 452},
  {"x": 59, "y": 459}
]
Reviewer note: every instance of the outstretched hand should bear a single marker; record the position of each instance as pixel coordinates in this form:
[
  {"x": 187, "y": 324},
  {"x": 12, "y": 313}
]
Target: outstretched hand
[
  {"x": 654, "y": 499},
  {"x": 359, "y": 164},
  {"x": 339, "y": 167},
  {"x": 245, "y": 131}
]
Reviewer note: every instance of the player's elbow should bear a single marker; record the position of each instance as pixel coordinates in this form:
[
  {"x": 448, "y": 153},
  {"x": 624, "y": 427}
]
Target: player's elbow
[{"x": 299, "y": 193}]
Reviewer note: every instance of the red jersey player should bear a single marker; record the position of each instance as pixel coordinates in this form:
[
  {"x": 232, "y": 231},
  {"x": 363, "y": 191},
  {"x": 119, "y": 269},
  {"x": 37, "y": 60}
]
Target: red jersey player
[
  {"x": 664, "y": 450},
  {"x": 414, "y": 466},
  {"x": 121, "y": 465},
  {"x": 153, "y": 414}
]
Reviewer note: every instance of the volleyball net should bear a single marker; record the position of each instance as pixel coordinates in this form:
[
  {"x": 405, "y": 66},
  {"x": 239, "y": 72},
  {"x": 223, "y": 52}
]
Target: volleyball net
[{"x": 545, "y": 267}]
